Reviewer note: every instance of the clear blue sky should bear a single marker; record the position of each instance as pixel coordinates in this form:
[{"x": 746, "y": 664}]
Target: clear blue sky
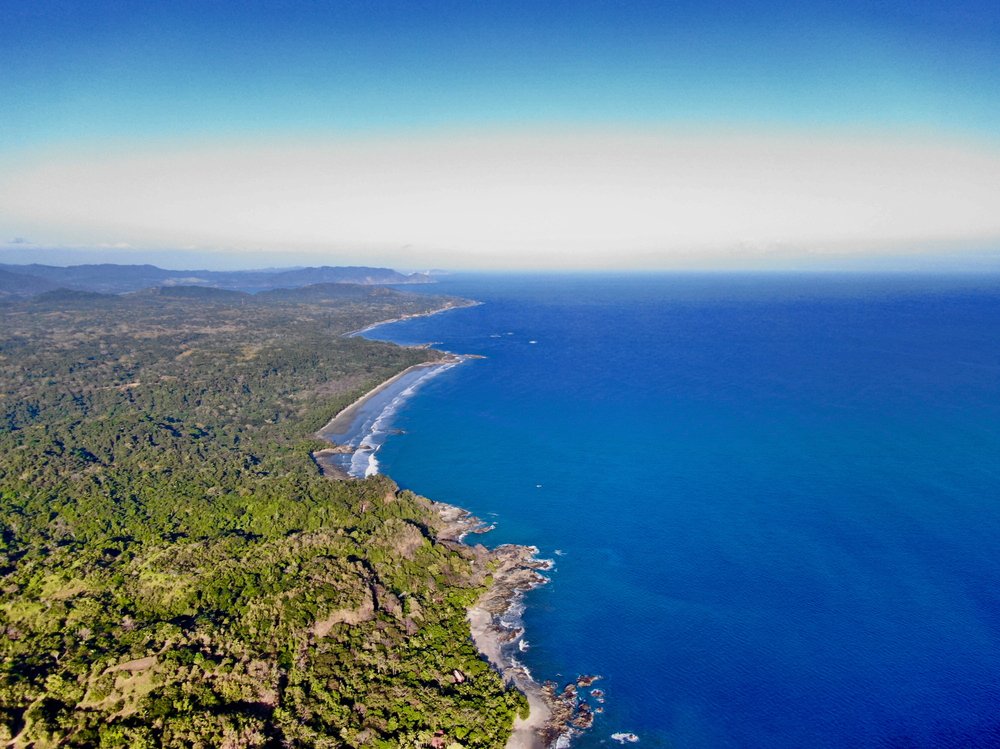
[
  {"x": 94, "y": 74},
  {"x": 95, "y": 68}
]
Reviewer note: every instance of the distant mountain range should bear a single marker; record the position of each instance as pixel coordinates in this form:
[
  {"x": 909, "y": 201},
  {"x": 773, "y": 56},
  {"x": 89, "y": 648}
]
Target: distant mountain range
[{"x": 34, "y": 279}]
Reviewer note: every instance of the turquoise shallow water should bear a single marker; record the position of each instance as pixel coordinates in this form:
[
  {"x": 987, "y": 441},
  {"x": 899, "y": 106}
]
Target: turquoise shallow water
[{"x": 773, "y": 501}]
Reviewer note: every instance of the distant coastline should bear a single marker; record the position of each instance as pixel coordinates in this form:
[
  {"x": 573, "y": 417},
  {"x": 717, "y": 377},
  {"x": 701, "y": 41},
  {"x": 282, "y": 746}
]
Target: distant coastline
[{"x": 448, "y": 307}]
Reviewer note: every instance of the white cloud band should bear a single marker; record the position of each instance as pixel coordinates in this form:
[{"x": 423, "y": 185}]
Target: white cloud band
[{"x": 588, "y": 199}]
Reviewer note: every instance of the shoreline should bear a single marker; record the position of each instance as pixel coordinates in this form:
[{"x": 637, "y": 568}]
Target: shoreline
[
  {"x": 512, "y": 569},
  {"x": 492, "y": 639},
  {"x": 447, "y": 308},
  {"x": 341, "y": 421},
  {"x": 555, "y": 715}
]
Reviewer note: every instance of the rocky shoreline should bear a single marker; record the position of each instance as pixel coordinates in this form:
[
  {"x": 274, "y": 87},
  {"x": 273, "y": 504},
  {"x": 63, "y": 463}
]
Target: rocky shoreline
[
  {"x": 508, "y": 572},
  {"x": 556, "y": 715}
]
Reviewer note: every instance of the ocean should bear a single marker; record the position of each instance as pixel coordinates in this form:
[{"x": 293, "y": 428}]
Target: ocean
[{"x": 773, "y": 501}]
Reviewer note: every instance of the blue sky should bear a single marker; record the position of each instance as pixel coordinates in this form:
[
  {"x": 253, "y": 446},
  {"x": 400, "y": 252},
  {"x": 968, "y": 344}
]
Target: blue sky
[
  {"x": 97, "y": 69},
  {"x": 121, "y": 79}
]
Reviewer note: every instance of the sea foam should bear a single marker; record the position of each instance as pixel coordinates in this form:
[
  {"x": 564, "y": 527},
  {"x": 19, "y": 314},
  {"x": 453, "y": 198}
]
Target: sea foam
[{"x": 372, "y": 427}]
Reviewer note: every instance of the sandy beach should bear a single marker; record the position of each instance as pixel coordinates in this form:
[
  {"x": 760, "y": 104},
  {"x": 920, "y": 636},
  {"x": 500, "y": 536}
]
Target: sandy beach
[
  {"x": 342, "y": 421},
  {"x": 447, "y": 308}
]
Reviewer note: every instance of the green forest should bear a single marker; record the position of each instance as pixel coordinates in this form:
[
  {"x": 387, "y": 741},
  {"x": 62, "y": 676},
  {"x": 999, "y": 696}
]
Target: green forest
[{"x": 174, "y": 569}]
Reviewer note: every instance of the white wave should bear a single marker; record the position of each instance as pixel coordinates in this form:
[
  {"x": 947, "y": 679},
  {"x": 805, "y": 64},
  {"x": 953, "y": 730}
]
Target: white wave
[
  {"x": 625, "y": 736},
  {"x": 372, "y": 468},
  {"x": 511, "y": 618},
  {"x": 517, "y": 664},
  {"x": 359, "y": 464},
  {"x": 363, "y": 461}
]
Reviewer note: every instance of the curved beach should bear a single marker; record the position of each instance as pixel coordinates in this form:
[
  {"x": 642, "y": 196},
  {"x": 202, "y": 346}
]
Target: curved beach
[
  {"x": 341, "y": 423},
  {"x": 359, "y": 430},
  {"x": 455, "y": 304}
]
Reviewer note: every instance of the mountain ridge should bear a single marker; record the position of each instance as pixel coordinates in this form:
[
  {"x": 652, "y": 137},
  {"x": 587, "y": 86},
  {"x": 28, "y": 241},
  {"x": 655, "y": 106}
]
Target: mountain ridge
[{"x": 112, "y": 278}]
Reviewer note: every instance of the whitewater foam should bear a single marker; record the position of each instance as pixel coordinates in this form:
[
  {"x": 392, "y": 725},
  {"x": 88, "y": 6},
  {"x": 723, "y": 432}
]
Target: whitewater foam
[{"x": 370, "y": 429}]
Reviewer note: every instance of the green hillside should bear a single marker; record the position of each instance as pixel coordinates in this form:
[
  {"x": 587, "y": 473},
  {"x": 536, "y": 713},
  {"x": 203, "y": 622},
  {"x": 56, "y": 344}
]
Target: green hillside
[{"x": 174, "y": 571}]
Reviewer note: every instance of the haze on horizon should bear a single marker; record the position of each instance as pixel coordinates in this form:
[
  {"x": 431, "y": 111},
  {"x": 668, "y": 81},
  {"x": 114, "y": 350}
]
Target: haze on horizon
[{"x": 502, "y": 135}]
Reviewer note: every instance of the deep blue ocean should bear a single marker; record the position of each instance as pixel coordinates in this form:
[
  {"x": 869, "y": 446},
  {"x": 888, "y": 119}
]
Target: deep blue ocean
[{"x": 773, "y": 501}]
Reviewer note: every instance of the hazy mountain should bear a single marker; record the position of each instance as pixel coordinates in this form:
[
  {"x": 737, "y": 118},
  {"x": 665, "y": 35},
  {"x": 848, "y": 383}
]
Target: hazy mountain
[
  {"x": 27, "y": 280},
  {"x": 14, "y": 284},
  {"x": 359, "y": 275},
  {"x": 323, "y": 292}
]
